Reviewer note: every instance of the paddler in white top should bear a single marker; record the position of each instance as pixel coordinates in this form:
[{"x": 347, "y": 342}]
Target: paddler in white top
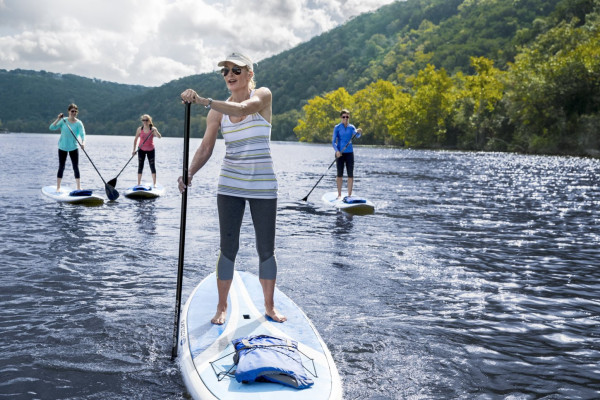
[{"x": 247, "y": 175}]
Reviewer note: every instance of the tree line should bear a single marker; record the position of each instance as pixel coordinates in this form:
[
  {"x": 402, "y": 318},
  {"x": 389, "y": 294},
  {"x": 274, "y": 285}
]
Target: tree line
[
  {"x": 546, "y": 101},
  {"x": 515, "y": 75}
]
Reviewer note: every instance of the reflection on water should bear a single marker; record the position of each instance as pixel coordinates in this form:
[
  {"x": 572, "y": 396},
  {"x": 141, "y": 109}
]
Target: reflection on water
[
  {"x": 475, "y": 278},
  {"x": 145, "y": 215}
]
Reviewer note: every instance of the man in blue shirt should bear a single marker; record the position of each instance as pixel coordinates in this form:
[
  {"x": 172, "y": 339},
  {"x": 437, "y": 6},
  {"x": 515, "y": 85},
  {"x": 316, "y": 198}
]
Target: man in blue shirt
[{"x": 344, "y": 154}]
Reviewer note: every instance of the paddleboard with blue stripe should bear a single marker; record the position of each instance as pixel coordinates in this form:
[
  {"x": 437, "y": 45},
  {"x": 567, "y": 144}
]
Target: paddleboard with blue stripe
[
  {"x": 205, "y": 349},
  {"x": 68, "y": 195},
  {"x": 145, "y": 191}
]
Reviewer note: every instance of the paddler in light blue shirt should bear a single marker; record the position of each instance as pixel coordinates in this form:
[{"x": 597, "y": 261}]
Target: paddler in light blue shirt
[
  {"x": 67, "y": 144},
  {"x": 344, "y": 154}
]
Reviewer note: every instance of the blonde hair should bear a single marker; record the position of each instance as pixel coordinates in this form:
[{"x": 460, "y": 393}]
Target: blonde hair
[
  {"x": 149, "y": 119},
  {"x": 252, "y": 83}
]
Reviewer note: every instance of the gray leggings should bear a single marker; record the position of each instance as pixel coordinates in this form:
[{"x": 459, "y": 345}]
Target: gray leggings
[{"x": 231, "y": 212}]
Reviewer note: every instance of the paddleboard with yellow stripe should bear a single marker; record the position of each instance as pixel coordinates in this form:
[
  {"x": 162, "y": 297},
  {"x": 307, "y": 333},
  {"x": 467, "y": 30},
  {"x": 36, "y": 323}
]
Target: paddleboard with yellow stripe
[
  {"x": 68, "y": 195},
  {"x": 351, "y": 205}
]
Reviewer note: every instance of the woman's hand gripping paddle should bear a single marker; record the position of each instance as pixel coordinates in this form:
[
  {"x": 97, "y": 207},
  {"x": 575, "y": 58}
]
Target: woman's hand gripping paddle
[{"x": 111, "y": 192}]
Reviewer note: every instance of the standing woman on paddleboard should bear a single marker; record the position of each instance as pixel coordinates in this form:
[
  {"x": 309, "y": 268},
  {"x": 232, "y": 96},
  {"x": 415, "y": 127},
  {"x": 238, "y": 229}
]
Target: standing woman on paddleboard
[
  {"x": 67, "y": 144},
  {"x": 247, "y": 175},
  {"x": 146, "y": 147},
  {"x": 344, "y": 154}
]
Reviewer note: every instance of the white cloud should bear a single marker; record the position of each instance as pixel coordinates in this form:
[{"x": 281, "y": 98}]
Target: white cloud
[{"x": 150, "y": 42}]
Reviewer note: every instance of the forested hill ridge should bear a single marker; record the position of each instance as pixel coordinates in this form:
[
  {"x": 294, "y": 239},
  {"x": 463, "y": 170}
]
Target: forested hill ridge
[
  {"x": 506, "y": 75},
  {"x": 30, "y": 100}
]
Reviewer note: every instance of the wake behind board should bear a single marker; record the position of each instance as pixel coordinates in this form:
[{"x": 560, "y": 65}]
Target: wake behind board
[
  {"x": 68, "y": 195},
  {"x": 354, "y": 205},
  {"x": 205, "y": 348},
  {"x": 145, "y": 191}
]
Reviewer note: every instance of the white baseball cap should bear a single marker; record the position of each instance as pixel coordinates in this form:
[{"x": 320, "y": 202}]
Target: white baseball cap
[{"x": 238, "y": 59}]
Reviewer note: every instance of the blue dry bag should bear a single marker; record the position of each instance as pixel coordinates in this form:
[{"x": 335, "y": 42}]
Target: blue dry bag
[
  {"x": 264, "y": 358},
  {"x": 354, "y": 200}
]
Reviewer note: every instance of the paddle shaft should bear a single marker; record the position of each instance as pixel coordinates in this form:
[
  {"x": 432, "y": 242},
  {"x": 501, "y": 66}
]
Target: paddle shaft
[
  {"x": 113, "y": 181},
  {"x": 330, "y": 165},
  {"x": 85, "y": 152},
  {"x": 111, "y": 192},
  {"x": 186, "y": 145}
]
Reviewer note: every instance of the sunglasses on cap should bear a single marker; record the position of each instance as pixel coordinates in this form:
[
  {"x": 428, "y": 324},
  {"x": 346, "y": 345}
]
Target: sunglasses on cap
[{"x": 235, "y": 70}]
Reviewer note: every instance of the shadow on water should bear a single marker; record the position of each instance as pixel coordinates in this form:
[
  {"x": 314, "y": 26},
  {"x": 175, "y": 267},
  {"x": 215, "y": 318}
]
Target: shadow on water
[
  {"x": 342, "y": 234},
  {"x": 145, "y": 215},
  {"x": 344, "y": 223},
  {"x": 303, "y": 207}
]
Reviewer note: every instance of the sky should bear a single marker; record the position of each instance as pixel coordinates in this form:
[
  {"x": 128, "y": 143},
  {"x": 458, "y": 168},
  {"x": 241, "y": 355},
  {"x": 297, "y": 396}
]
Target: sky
[{"x": 151, "y": 42}]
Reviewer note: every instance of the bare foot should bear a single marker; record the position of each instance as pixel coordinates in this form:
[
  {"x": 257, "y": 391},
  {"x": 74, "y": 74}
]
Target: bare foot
[
  {"x": 275, "y": 315},
  {"x": 220, "y": 317}
]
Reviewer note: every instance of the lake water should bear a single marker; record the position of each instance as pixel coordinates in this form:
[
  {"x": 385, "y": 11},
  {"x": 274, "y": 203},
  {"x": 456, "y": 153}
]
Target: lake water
[{"x": 478, "y": 276}]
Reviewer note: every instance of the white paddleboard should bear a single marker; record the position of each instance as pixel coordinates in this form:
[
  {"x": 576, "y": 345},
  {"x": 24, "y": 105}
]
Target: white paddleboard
[
  {"x": 64, "y": 196},
  {"x": 204, "y": 348},
  {"x": 362, "y": 206},
  {"x": 145, "y": 191}
]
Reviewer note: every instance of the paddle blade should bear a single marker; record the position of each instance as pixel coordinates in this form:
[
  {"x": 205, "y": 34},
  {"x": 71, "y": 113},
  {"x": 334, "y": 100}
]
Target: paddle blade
[
  {"x": 112, "y": 182},
  {"x": 305, "y": 199},
  {"x": 111, "y": 192}
]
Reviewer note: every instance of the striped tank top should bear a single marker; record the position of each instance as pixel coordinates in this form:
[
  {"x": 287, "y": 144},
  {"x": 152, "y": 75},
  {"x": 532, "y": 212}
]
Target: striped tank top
[{"x": 247, "y": 169}]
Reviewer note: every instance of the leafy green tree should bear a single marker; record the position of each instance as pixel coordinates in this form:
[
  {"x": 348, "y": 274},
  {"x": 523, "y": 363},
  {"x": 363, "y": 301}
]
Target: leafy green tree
[
  {"x": 283, "y": 125},
  {"x": 554, "y": 89},
  {"x": 477, "y": 102},
  {"x": 429, "y": 109},
  {"x": 397, "y": 115},
  {"x": 370, "y": 110},
  {"x": 321, "y": 114}
]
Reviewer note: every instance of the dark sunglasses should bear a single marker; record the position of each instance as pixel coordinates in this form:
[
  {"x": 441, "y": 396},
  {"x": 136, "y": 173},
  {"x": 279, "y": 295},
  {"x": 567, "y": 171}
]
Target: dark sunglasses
[
  {"x": 235, "y": 70},
  {"x": 74, "y": 111},
  {"x": 145, "y": 120},
  {"x": 345, "y": 117}
]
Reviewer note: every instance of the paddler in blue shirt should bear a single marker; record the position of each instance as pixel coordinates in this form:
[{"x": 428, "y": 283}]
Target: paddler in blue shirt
[
  {"x": 344, "y": 154},
  {"x": 67, "y": 144}
]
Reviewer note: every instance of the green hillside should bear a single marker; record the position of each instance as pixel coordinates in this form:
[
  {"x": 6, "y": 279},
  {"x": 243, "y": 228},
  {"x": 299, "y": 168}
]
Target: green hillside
[
  {"x": 402, "y": 47},
  {"x": 31, "y": 100}
]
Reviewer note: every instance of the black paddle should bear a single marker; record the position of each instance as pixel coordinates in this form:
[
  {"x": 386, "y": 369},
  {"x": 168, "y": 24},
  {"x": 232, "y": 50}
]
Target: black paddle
[
  {"x": 186, "y": 145},
  {"x": 113, "y": 182},
  {"x": 111, "y": 192},
  {"x": 313, "y": 188}
]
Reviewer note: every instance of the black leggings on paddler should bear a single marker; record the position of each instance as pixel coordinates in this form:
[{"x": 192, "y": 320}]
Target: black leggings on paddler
[
  {"x": 348, "y": 159},
  {"x": 62, "y": 160},
  {"x": 142, "y": 156},
  {"x": 231, "y": 213}
]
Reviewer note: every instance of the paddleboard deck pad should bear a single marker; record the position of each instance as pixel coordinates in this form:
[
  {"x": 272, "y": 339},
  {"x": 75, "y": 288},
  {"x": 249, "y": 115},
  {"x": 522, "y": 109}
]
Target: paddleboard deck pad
[
  {"x": 352, "y": 205},
  {"x": 207, "y": 353},
  {"x": 68, "y": 195},
  {"x": 145, "y": 191}
]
